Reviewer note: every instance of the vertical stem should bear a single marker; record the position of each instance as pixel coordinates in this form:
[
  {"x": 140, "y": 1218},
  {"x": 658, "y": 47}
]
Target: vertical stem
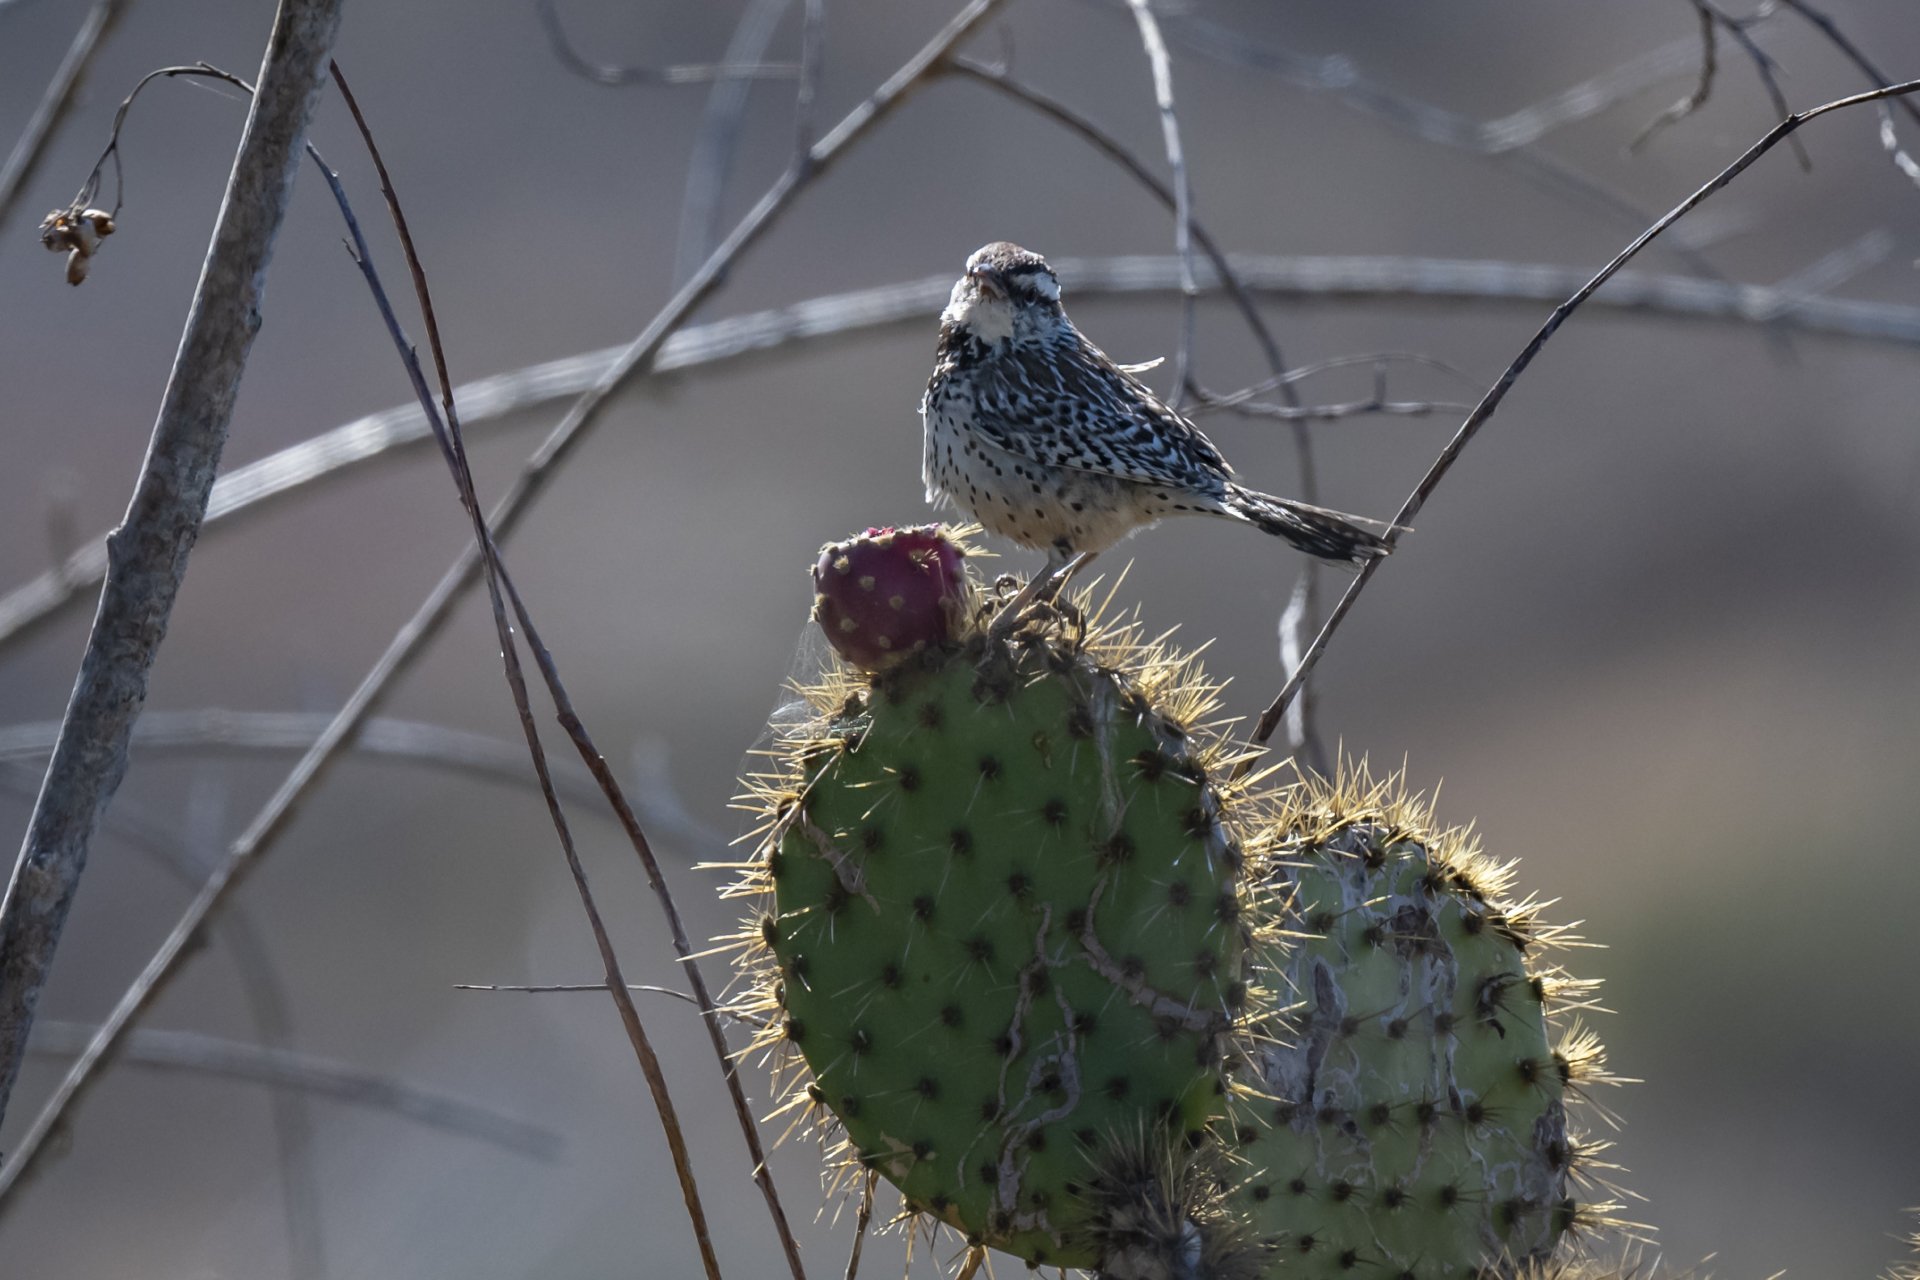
[{"x": 147, "y": 554}]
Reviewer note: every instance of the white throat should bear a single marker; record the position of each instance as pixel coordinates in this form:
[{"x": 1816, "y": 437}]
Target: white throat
[{"x": 988, "y": 319}]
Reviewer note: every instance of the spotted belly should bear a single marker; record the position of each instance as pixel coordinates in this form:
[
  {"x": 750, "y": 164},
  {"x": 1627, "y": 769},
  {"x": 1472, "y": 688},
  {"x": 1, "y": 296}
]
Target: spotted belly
[{"x": 1052, "y": 508}]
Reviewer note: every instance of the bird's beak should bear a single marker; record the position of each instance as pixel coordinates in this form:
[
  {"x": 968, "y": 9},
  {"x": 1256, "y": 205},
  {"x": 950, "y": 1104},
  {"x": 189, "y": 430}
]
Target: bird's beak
[{"x": 987, "y": 279}]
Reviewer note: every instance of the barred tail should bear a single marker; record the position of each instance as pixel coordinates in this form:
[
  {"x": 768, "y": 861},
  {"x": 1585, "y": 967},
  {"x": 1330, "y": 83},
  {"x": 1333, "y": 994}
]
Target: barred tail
[{"x": 1314, "y": 530}]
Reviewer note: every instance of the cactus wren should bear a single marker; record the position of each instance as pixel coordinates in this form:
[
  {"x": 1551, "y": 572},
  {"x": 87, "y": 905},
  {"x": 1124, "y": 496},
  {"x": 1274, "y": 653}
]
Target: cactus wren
[{"x": 1045, "y": 440}]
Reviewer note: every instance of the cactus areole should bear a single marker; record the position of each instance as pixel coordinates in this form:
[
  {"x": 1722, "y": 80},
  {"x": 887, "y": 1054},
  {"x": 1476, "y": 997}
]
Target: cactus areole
[
  {"x": 1001, "y": 926},
  {"x": 1408, "y": 1112}
]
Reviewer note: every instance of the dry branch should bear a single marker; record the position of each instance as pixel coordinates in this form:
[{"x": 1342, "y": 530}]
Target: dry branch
[
  {"x": 1270, "y": 718},
  {"x": 433, "y": 611},
  {"x": 334, "y": 453},
  {"x": 147, "y": 554},
  {"x": 193, "y": 1052}
]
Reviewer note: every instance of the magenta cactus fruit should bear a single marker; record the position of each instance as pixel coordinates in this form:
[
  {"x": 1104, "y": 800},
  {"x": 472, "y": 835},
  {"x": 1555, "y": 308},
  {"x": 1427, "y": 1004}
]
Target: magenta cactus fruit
[{"x": 889, "y": 593}]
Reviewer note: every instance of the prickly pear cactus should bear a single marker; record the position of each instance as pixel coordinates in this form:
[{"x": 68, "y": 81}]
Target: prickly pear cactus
[
  {"x": 1407, "y": 1114},
  {"x": 1000, "y": 940},
  {"x": 889, "y": 593}
]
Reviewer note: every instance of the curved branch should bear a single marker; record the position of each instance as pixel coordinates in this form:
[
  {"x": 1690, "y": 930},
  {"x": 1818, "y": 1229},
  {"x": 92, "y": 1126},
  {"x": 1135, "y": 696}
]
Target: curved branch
[
  {"x": 1270, "y": 718},
  {"x": 487, "y": 401}
]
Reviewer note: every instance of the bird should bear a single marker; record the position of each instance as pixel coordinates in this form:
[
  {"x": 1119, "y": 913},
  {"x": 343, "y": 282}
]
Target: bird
[{"x": 1046, "y": 440}]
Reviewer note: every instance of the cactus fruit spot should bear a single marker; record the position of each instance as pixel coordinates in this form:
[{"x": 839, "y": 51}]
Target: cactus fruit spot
[
  {"x": 896, "y": 603},
  {"x": 847, "y": 626}
]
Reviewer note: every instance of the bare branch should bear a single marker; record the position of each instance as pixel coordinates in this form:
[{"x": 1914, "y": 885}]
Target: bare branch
[
  {"x": 1709, "y": 64},
  {"x": 254, "y": 965},
  {"x": 447, "y": 433},
  {"x": 1507, "y": 139},
  {"x": 199, "y": 1054},
  {"x": 1851, "y": 51},
  {"x": 54, "y": 104},
  {"x": 434, "y": 610},
  {"x": 1156, "y": 46},
  {"x": 147, "y": 555},
  {"x": 1270, "y": 718},
  {"x": 623, "y": 76},
  {"x": 718, "y": 142},
  {"x": 1000, "y": 79},
  {"x": 862, "y": 1218},
  {"x": 334, "y": 453},
  {"x": 813, "y": 53}
]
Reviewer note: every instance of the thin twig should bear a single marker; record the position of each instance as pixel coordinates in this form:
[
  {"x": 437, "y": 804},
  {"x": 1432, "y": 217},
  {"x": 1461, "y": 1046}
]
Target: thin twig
[
  {"x": 434, "y": 610},
  {"x": 1702, "y": 91},
  {"x": 148, "y": 553},
  {"x": 254, "y": 966},
  {"x": 447, "y": 432},
  {"x": 1270, "y": 718},
  {"x": 1162, "y": 67},
  {"x": 1851, "y": 51},
  {"x": 334, "y": 453},
  {"x": 718, "y": 142},
  {"x": 1889, "y": 137},
  {"x": 813, "y": 56},
  {"x": 300, "y": 1073},
  {"x": 1509, "y": 140},
  {"x": 1306, "y": 586},
  {"x": 1763, "y": 63},
  {"x": 61, "y": 93},
  {"x": 861, "y": 1220},
  {"x": 623, "y": 76}
]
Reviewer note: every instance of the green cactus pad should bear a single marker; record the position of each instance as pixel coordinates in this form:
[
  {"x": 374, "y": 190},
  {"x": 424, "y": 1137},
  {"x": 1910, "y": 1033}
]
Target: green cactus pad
[
  {"x": 1407, "y": 1116},
  {"x": 1002, "y": 924}
]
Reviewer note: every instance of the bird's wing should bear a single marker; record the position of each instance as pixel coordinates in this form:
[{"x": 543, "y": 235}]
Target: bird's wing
[{"x": 1077, "y": 409}]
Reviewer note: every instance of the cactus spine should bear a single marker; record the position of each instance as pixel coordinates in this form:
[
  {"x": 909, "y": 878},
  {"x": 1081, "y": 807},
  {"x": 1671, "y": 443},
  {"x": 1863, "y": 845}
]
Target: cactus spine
[
  {"x": 999, "y": 943},
  {"x": 1407, "y": 1111}
]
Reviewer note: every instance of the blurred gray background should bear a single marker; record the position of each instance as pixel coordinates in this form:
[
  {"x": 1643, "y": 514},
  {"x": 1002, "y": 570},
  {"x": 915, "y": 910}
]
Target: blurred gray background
[{"x": 1656, "y": 633}]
